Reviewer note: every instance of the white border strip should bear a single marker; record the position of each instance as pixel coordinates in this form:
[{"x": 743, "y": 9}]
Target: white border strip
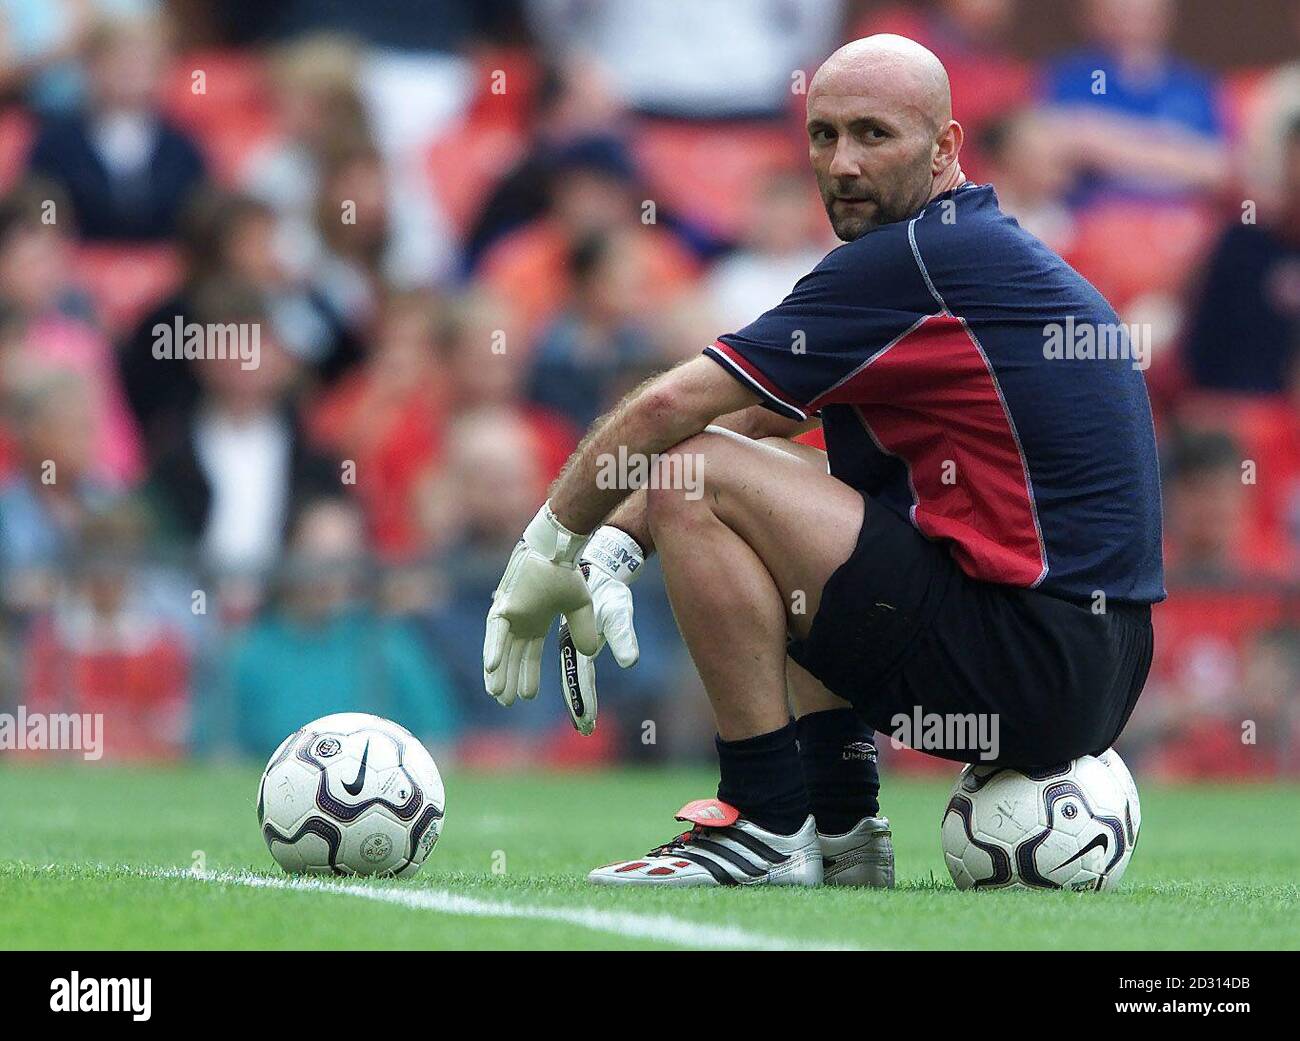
[
  {"x": 629, "y": 925},
  {"x": 789, "y": 411}
]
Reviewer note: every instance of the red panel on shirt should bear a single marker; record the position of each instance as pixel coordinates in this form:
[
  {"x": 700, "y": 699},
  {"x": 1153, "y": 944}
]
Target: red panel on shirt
[{"x": 932, "y": 400}]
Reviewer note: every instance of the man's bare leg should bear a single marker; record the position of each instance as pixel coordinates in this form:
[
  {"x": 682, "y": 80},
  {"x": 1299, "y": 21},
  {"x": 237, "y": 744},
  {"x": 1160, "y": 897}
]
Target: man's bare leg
[
  {"x": 775, "y": 772},
  {"x": 806, "y": 694},
  {"x": 745, "y": 564},
  {"x": 836, "y": 753}
]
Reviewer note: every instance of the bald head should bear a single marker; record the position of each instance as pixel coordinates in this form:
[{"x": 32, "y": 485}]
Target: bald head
[
  {"x": 881, "y": 135},
  {"x": 889, "y": 67}
]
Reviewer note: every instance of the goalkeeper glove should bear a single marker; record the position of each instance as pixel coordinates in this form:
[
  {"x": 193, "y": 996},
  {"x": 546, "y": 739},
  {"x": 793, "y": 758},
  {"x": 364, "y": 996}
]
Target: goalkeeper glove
[
  {"x": 611, "y": 560},
  {"x": 541, "y": 581}
]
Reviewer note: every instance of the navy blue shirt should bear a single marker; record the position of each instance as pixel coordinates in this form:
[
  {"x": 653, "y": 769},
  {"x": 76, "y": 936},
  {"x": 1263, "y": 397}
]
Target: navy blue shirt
[{"x": 974, "y": 383}]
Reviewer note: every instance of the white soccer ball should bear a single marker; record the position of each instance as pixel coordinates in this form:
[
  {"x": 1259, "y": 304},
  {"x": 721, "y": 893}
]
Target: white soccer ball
[
  {"x": 351, "y": 794},
  {"x": 1071, "y": 827}
]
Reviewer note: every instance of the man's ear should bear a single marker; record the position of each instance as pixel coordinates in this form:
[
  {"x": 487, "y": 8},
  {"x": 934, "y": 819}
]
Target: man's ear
[{"x": 948, "y": 146}]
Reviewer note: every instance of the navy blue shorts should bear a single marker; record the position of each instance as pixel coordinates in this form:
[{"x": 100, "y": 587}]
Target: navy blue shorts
[{"x": 937, "y": 658}]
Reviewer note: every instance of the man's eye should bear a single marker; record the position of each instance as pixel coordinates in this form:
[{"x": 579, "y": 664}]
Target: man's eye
[{"x": 820, "y": 136}]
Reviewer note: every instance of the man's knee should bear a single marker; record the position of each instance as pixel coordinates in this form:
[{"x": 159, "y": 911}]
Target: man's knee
[{"x": 677, "y": 483}]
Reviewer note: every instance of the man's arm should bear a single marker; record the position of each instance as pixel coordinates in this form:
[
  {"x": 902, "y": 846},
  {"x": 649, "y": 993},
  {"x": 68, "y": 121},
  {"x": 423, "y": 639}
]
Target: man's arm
[
  {"x": 754, "y": 422},
  {"x": 652, "y": 419},
  {"x": 757, "y": 422},
  {"x": 542, "y": 577}
]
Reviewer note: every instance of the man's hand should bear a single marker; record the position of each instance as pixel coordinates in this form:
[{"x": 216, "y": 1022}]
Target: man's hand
[
  {"x": 611, "y": 561},
  {"x": 541, "y": 581}
]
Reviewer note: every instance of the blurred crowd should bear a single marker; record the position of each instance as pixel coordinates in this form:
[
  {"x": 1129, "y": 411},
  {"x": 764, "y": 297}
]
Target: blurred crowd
[{"x": 462, "y": 230}]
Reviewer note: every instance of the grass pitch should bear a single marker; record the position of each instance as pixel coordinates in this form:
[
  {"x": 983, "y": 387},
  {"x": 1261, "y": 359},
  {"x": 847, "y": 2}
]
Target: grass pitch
[{"x": 101, "y": 858}]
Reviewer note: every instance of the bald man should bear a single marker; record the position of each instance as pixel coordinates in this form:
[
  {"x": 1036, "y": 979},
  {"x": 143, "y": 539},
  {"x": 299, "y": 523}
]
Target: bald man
[{"x": 969, "y": 568}]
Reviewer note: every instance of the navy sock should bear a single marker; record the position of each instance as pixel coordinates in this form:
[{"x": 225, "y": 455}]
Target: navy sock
[
  {"x": 761, "y": 777},
  {"x": 838, "y": 753}
]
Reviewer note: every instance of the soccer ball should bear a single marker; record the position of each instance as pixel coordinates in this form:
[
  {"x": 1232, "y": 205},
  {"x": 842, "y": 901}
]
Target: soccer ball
[
  {"x": 351, "y": 794},
  {"x": 1069, "y": 827}
]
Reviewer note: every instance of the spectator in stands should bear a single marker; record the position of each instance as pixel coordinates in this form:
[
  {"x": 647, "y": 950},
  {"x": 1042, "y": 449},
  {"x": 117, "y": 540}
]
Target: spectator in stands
[
  {"x": 36, "y": 251},
  {"x": 229, "y": 237},
  {"x": 491, "y": 472},
  {"x": 13, "y": 344},
  {"x": 128, "y": 171},
  {"x": 323, "y": 648},
  {"x": 355, "y": 225},
  {"x": 1026, "y": 161},
  {"x": 1141, "y": 121},
  {"x": 1269, "y": 429},
  {"x": 1270, "y": 705},
  {"x": 40, "y": 42},
  {"x": 1245, "y": 327},
  {"x": 46, "y": 501},
  {"x": 598, "y": 347},
  {"x": 106, "y": 648},
  {"x": 38, "y": 240},
  {"x": 323, "y": 120},
  {"x": 1267, "y": 131},
  {"x": 316, "y": 104},
  {"x": 572, "y": 100},
  {"x": 485, "y": 369},
  {"x": 784, "y": 239},
  {"x": 1250, "y": 733},
  {"x": 594, "y": 189},
  {"x": 709, "y": 59},
  {"x": 229, "y": 485},
  {"x": 971, "y": 38},
  {"x": 1204, "y": 506},
  {"x": 414, "y": 73},
  {"x": 388, "y": 418},
  {"x": 490, "y": 477}
]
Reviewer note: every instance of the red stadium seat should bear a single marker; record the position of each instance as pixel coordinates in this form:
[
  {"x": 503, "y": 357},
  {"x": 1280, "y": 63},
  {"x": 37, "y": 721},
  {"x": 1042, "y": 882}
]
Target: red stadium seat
[
  {"x": 509, "y": 107},
  {"x": 1204, "y": 643},
  {"x": 1128, "y": 249},
  {"x": 466, "y": 163},
  {"x": 126, "y": 281},
  {"x": 232, "y": 117},
  {"x": 1239, "y": 93},
  {"x": 17, "y": 128},
  {"x": 709, "y": 172}
]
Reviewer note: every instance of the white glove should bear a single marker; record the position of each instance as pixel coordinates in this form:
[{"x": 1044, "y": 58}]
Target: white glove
[
  {"x": 611, "y": 561},
  {"x": 541, "y": 581}
]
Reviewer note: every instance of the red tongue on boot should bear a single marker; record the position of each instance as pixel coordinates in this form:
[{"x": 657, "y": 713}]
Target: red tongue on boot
[{"x": 709, "y": 813}]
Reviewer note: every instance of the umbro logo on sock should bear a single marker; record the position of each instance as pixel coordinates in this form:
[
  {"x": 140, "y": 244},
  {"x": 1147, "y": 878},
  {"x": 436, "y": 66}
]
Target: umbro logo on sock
[{"x": 859, "y": 750}]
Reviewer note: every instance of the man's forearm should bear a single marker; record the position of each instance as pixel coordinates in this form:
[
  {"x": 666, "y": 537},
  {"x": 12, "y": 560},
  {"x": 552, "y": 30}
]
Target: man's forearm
[
  {"x": 640, "y": 427},
  {"x": 649, "y": 421},
  {"x": 755, "y": 422}
]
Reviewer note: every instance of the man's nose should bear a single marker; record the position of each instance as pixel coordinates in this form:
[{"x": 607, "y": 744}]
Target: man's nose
[{"x": 844, "y": 163}]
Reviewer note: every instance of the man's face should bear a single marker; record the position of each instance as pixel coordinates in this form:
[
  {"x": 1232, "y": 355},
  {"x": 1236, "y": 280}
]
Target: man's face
[{"x": 872, "y": 160}]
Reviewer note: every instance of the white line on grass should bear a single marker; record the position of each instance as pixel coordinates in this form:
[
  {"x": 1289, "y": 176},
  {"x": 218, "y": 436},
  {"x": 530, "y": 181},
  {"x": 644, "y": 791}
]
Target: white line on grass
[{"x": 632, "y": 925}]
